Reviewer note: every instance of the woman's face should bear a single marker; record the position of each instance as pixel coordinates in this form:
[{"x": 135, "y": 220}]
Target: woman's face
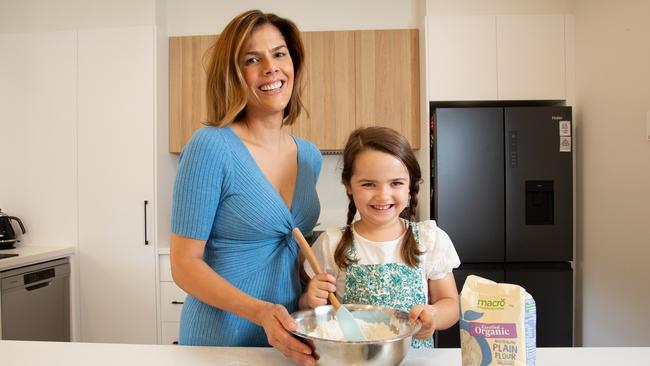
[{"x": 268, "y": 71}]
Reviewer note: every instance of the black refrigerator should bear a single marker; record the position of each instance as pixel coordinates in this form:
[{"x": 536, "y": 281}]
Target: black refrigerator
[{"x": 502, "y": 188}]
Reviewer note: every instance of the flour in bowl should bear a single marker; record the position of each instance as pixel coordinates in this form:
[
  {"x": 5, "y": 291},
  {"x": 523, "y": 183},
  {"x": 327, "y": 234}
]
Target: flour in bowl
[{"x": 331, "y": 330}]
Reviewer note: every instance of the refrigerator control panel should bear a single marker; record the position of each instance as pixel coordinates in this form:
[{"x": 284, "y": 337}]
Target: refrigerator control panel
[{"x": 512, "y": 148}]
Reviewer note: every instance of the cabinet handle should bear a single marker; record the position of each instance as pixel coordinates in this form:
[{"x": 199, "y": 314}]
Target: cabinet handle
[
  {"x": 36, "y": 287},
  {"x": 178, "y": 302},
  {"x": 146, "y": 241}
]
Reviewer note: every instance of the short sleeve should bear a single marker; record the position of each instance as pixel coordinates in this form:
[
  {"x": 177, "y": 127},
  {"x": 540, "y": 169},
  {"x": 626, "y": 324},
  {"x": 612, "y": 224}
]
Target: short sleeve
[
  {"x": 198, "y": 184},
  {"x": 323, "y": 249},
  {"x": 440, "y": 256}
]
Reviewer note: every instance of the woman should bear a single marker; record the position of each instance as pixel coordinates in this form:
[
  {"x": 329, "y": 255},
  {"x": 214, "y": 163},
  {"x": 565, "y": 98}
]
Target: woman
[{"x": 243, "y": 183}]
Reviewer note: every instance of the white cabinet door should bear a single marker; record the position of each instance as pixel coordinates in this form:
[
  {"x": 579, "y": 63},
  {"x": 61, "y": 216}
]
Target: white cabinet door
[
  {"x": 172, "y": 299},
  {"x": 38, "y": 117},
  {"x": 461, "y": 52},
  {"x": 115, "y": 168},
  {"x": 505, "y": 57},
  {"x": 169, "y": 332},
  {"x": 531, "y": 57}
]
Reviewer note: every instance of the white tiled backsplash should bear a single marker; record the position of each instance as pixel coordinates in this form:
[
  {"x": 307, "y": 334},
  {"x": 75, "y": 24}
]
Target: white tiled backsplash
[{"x": 333, "y": 201}]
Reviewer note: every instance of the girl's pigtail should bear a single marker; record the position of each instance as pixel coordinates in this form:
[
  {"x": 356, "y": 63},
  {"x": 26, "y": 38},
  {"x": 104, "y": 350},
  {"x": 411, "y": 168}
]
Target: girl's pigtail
[
  {"x": 341, "y": 257},
  {"x": 410, "y": 249}
]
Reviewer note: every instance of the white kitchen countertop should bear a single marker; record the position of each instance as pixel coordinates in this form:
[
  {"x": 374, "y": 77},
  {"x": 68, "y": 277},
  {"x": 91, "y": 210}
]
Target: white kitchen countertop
[
  {"x": 20, "y": 353},
  {"x": 30, "y": 254}
]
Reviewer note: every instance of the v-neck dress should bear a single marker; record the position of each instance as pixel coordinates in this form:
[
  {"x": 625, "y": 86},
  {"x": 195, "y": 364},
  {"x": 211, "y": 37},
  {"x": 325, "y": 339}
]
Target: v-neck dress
[{"x": 220, "y": 195}]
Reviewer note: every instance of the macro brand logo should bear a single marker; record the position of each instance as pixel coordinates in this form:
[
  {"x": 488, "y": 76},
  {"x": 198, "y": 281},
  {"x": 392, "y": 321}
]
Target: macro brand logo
[{"x": 492, "y": 304}]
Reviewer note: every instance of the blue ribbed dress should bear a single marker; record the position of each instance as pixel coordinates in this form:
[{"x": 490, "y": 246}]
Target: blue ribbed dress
[{"x": 220, "y": 195}]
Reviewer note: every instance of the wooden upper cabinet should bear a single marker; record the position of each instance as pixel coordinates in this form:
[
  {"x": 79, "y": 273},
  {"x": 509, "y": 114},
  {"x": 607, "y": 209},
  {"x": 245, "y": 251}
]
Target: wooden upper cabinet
[
  {"x": 188, "y": 59},
  {"x": 388, "y": 81},
  {"x": 329, "y": 94},
  {"x": 352, "y": 79}
]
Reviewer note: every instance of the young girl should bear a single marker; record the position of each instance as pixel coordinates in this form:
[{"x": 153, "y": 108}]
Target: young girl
[{"x": 382, "y": 259}]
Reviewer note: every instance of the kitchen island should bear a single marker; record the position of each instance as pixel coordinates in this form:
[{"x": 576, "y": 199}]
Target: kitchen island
[{"x": 19, "y": 353}]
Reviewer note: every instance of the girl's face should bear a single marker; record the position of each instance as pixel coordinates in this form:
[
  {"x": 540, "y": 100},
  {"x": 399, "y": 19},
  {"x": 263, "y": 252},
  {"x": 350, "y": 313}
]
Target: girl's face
[
  {"x": 379, "y": 187},
  {"x": 268, "y": 71}
]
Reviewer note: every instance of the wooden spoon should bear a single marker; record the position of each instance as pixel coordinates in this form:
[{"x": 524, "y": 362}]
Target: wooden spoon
[{"x": 346, "y": 321}]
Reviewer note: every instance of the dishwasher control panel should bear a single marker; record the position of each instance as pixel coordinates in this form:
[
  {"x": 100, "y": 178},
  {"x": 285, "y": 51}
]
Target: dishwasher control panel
[
  {"x": 24, "y": 276},
  {"x": 38, "y": 276}
]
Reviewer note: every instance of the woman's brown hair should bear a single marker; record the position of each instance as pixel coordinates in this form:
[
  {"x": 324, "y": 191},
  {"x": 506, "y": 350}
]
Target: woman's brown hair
[
  {"x": 389, "y": 141},
  {"x": 226, "y": 88}
]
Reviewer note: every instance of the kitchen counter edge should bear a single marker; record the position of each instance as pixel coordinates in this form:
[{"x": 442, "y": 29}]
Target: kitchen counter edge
[
  {"x": 30, "y": 254},
  {"x": 100, "y": 354}
]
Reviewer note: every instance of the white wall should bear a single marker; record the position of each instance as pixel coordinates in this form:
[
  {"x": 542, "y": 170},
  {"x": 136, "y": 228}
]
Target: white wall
[
  {"x": 471, "y": 7},
  {"x": 46, "y": 15},
  {"x": 613, "y": 92},
  {"x": 333, "y": 200},
  {"x": 194, "y": 17}
]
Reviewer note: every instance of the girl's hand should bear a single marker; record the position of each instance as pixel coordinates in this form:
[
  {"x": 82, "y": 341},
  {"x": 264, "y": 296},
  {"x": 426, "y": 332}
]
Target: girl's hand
[
  {"x": 318, "y": 289},
  {"x": 277, "y": 324},
  {"x": 427, "y": 316}
]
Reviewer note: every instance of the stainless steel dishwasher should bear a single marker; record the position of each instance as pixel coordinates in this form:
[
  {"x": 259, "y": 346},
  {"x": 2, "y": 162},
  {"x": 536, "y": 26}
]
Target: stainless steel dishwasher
[{"x": 36, "y": 302}]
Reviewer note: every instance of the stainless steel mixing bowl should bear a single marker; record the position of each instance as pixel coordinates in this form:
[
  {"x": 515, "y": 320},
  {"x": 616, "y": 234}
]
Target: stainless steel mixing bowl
[{"x": 386, "y": 352}]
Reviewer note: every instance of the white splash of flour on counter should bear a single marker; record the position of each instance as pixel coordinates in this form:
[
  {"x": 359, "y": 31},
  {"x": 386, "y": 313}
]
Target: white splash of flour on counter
[{"x": 331, "y": 330}]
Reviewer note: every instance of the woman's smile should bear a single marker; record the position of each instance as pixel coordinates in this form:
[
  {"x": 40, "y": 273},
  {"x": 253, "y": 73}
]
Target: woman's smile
[{"x": 273, "y": 86}]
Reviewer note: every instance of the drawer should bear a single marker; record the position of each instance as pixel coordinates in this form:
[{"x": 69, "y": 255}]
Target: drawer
[
  {"x": 171, "y": 301},
  {"x": 170, "y": 332},
  {"x": 165, "y": 268}
]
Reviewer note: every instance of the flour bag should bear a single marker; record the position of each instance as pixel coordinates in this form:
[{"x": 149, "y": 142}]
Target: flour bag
[{"x": 497, "y": 324}]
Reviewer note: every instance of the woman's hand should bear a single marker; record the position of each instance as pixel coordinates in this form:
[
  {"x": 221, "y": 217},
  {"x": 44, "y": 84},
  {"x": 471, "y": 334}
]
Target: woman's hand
[
  {"x": 277, "y": 324},
  {"x": 318, "y": 289},
  {"x": 427, "y": 316}
]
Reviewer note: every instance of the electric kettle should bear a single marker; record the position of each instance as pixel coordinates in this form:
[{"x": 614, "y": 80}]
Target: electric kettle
[{"x": 8, "y": 236}]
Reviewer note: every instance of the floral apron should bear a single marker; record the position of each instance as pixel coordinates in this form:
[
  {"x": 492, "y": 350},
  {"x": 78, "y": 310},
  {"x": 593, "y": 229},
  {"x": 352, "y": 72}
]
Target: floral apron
[{"x": 394, "y": 285}]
